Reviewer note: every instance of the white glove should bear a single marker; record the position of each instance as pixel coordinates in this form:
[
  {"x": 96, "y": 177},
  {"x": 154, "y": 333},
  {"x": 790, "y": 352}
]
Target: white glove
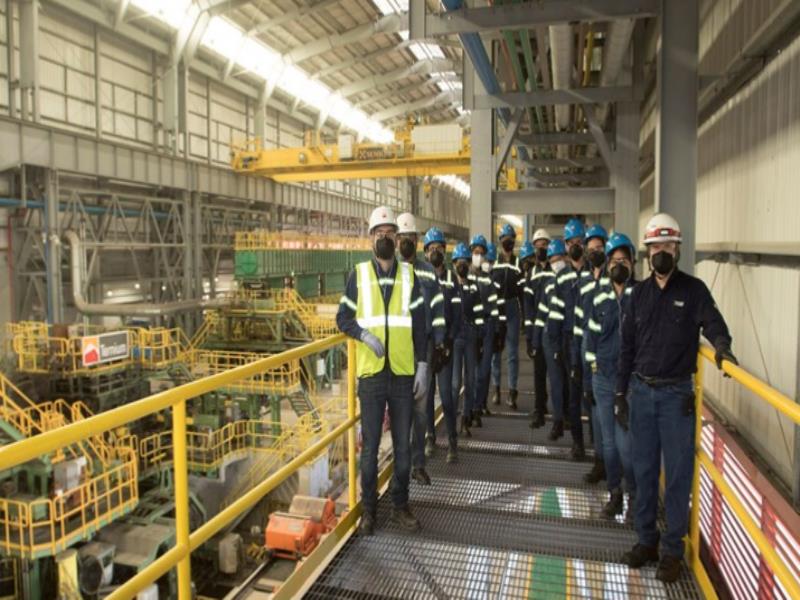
[
  {"x": 371, "y": 340},
  {"x": 421, "y": 381}
]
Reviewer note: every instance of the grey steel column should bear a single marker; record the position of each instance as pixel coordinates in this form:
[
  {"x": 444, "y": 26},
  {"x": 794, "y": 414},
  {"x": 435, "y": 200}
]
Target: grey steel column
[
  {"x": 676, "y": 133},
  {"x": 481, "y": 173},
  {"x": 625, "y": 177},
  {"x": 55, "y": 297}
]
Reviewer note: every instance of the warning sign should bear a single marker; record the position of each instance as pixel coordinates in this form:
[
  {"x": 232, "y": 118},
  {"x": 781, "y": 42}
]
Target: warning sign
[{"x": 105, "y": 347}]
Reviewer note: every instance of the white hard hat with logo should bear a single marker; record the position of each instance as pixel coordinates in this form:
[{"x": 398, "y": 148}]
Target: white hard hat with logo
[
  {"x": 406, "y": 223},
  {"x": 541, "y": 234},
  {"x": 662, "y": 228},
  {"x": 383, "y": 215}
]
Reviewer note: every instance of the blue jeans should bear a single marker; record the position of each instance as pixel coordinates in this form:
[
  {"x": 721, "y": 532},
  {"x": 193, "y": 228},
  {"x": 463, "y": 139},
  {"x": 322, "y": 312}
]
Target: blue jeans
[
  {"x": 616, "y": 448},
  {"x": 465, "y": 366},
  {"x": 659, "y": 423},
  {"x": 445, "y": 380},
  {"x": 485, "y": 368},
  {"x": 555, "y": 372},
  {"x": 574, "y": 394},
  {"x": 512, "y": 346},
  {"x": 594, "y": 415},
  {"x": 374, "y": 394}
]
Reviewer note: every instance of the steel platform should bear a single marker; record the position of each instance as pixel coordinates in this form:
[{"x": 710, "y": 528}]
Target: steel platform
[{"x": 512, "y": 519}]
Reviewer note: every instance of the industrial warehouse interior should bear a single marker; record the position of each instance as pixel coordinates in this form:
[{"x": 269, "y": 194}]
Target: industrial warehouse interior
[{"x": 191, "y": 195}]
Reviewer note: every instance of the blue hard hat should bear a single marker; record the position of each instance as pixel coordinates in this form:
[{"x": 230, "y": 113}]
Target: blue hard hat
[
  {"x": 507, "y": 231},
  {"x": 574, "y": 228},
  {"x": 556, "y": 247},
  {"x": 434, "y": 235},
  {"x": 477, "y": 240},
  {"x": 526, "y": 250},
  {"x": 461, "y": 251},
  {"x": 620, "y": 240},
  {"x": 596, "y": 231},
  {"x": 491, "y": 252}
]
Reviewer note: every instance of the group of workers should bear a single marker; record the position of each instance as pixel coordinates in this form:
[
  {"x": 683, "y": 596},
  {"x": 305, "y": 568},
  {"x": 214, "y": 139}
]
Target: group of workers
[{"x": 621, "y": 350}]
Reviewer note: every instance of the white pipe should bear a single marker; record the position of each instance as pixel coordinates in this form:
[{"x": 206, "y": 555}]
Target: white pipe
[
  {"x": 128, "y": 310},
  {"x": 562, "y": 52}
]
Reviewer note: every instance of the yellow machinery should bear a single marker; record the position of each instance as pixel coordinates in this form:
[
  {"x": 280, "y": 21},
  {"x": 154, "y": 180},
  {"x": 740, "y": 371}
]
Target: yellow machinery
[{"x": 411, "y": 154}]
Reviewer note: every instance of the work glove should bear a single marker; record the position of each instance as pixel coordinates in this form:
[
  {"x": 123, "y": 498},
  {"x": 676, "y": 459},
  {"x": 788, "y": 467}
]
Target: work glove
[
  {"x": 723, "y": 352},
  {"x": 588, "y": 398},
  {"x": 440, "y": 358},
  {"x": 574, "y": 374},
  {"x": 421, "y": 380},
  {"x": 530, "y": 350},
  {"x": 558, "y": 358},
  {"x": 621, "y": 410},
  {"x": 374, "y": 344}
]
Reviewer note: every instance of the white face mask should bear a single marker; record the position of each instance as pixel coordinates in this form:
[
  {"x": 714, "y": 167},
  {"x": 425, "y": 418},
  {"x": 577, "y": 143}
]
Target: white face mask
[
  {"x": 486, "y": 267},
  {"x": 477, "y": 259},
  {"x": 558, "y": 265}
]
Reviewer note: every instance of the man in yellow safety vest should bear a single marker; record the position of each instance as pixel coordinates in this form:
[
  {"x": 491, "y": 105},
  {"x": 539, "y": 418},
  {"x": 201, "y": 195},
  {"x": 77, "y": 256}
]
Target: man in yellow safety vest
[{"x": 382, "y": 308}]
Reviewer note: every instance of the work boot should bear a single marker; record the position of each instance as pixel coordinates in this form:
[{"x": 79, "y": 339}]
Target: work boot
[
  {"x": 512, "y": 399},
  {"x": 496, "y": 397},
  {"x": 430, "y": 446},
  {"x": 476, "y": 418},
  {"x": 556, "y": 431},
  {"x": 631, "y": 510},
  {"x": 537, "y": 420},
  {"x": 420, "y": 475},
  {"x": 466, "y": 423},
  {"x": 452, "y": 451},
  {"x": 405, "y": 518},
  {"x": 669, "y": 568},
  {"x": 597, "y": 474},
  {"x": 367, "y": 525},
  {"x": 639, "y": 556},
  {"x": 614, "y": 505},
  {"x": 577, "y": 453}
]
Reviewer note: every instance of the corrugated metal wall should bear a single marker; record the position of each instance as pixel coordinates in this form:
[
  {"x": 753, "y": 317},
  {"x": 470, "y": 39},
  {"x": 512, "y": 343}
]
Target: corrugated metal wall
[{"x": 748, "y": 177}]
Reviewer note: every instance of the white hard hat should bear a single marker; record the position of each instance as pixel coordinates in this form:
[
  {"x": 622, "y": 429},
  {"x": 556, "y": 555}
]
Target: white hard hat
[
  {"x": 662, "y": 228},
  {"x": 541, "y": 234},
  {"x": 383, "y": 215},
  {"x": 406, "y": 223}
]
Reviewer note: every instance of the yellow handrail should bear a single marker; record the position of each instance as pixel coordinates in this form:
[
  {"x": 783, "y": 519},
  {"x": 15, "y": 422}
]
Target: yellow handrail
[
  {"x": 175, "y": 398},
  {"x": 785, "y": 406}
]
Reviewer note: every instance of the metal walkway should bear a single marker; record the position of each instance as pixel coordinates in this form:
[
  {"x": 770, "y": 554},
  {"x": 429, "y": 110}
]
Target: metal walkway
[{"x": 513, "y": 519}]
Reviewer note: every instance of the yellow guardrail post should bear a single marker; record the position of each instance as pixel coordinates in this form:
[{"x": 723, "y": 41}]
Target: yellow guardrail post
[
  {"x": 181, "y": 475},
  {"x": 351, "y": 414}
]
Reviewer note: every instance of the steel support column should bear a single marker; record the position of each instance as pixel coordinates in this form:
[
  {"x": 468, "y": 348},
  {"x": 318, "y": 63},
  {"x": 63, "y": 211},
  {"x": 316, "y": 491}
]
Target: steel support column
[
  {"x": 55, "y": 303},
  {"x": 625, "y": 173},
  {"x": 482, "y": 178},
  {"x": 676, "y": 132},
  {"x": 11, "y": 43}
]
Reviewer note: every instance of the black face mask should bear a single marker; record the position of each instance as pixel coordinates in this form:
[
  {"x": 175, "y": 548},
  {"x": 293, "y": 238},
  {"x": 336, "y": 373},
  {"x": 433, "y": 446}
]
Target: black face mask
[
  {"x": 384, "y": 248},
  {"x": 663, "y": 262},
  {"x": 407, "y": 248},
  {"x": 619, "y": 273},
  {"x": 597, "y": 258},
  {"x": 462, "y": 269},
  {"x": 541, "y": 254},
  {"x": 508, "y": 245},
  {"x": 575, "y": 252},
  {"x": 437, "y": 258}
]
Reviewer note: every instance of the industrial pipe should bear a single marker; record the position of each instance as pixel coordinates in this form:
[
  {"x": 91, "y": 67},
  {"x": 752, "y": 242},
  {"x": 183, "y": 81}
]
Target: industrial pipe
[{"x": 128, "y": 310}]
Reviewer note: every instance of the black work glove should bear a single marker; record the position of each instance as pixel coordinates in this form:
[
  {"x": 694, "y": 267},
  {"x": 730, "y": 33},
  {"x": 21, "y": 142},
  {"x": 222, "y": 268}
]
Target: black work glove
[
  {"x": 439, "y": 358},
  {"x": 530, "y": 350},
  {"x": 574, "y": 374},
  {"x": 621, "y": 410},
  {"x": 724, "y": 353},
  {"x": 448, "y": 346},
  {"x": 588, "y": 398},
  {"x": 558, "y": 358}
]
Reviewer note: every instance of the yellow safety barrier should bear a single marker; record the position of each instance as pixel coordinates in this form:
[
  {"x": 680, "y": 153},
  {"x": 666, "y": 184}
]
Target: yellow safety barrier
[
  {"x": 785, "y": 406},
  {"x": 175, "y": 399}
]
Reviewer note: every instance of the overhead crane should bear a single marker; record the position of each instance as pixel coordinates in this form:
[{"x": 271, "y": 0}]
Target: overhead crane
[{"x": 421, "y": 151}]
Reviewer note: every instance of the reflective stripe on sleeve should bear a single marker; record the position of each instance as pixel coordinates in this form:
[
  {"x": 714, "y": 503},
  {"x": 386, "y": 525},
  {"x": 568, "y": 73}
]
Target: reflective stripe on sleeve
[
  {"x": 595, "y": 326},
  {"x": 347, "y": 302}
]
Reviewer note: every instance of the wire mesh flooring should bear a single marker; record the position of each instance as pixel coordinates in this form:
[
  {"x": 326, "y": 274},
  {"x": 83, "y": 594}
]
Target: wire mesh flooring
[{"x": 512, "y": 519}]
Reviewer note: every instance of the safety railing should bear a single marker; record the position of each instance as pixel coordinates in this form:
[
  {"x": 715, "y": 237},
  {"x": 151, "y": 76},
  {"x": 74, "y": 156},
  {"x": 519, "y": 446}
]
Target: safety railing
[
  {"x": 45, "y": 526},
  {"x": 777, "y": 563},
  {"x": 281, "y": 380},
  {"x": 269, "y": 240},
  {"x": 175, "y": 400}
]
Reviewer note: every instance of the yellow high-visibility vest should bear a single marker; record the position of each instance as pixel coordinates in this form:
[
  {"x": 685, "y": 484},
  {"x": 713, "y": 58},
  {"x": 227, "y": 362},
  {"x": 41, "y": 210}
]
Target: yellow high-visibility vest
[{"x": 372, "y": 315}]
